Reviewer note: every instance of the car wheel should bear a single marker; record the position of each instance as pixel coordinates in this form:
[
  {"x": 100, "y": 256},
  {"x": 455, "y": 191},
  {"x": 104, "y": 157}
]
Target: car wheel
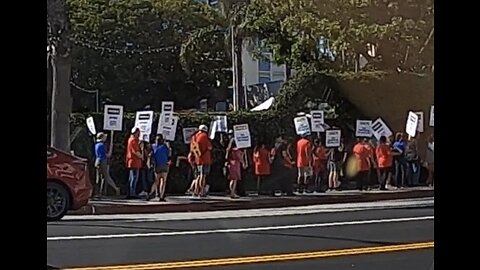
[{"x": 58, "y": 201}]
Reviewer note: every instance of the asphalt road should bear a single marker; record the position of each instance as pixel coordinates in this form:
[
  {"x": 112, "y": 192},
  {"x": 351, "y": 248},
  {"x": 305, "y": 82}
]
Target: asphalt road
[{"x": 367, "y": 239}]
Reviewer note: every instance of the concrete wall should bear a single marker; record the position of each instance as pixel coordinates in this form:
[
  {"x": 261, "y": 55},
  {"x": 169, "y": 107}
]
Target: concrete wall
[{"x": 392, "y": 98}]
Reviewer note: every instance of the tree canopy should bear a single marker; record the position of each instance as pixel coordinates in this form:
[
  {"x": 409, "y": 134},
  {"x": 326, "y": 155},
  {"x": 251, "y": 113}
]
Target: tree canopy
[
  {"x": 402, "y": 32},
  {"x": 129, "y": 50},
  {"x": 139, "y": 52}
]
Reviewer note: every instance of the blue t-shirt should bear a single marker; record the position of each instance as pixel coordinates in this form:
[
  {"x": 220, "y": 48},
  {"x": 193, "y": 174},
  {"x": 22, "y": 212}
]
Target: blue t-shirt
[
  {"x": 160, "y": 154},
  {"x": 100, "y": 151},
  {"x": 399, "y": 146}
]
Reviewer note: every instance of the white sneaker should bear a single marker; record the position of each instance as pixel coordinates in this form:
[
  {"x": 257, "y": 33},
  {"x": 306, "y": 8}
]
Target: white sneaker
[{"x": 142, "y": 194}]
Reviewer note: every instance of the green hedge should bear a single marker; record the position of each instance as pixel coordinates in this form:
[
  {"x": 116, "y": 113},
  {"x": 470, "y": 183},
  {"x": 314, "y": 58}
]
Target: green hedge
[{"x": 263, "y": 125}]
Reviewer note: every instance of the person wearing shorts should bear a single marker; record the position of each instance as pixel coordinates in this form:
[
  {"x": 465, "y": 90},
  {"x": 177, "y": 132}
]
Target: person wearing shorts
[
  {"x": 304, "y": 162},
  {"x": 161, "y": 159},
  {"x": 201, "y": 147},
  {"x": 336, "y": 158}
]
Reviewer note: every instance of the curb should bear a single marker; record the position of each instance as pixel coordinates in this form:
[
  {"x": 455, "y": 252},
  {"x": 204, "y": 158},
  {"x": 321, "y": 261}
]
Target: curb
[{"x": 254, "y": 204}]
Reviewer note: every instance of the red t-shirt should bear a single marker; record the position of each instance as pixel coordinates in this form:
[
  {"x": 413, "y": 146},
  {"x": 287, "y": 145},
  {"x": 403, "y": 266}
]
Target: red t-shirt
[
  {"x": 133, "y": 162},
  {"x": 362, "y": 154},
  {"x": 384, "y": 156},
  {"x": 261, "y": 160},
  {"x": 303, "y": 153},
  {"x": 201, "y": 148},
  {"x": 319, "y": 159}
]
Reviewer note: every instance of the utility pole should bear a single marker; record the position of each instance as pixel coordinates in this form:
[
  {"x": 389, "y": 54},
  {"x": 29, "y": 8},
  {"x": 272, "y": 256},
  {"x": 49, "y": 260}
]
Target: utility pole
[{"x": 234, "y": 70}]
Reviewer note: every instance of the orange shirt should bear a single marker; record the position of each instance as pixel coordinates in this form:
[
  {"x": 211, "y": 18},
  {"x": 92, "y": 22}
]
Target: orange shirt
[
  {"x": 261, "y": 160},
  {"x": 361, "y": 154},
  {"x": 384, "y": 156},
  {"x": 319, "y": 158},
  {"x": 304, "y": 153},
  {"x": 320, "y": 153},
  {"x": 133, "y": 145},
  {"x": 204, "y": 154}
]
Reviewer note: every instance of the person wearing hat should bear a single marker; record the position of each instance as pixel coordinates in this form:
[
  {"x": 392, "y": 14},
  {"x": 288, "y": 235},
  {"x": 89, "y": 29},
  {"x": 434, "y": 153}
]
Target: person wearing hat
[
  {"x": 101, "y": 165},
  {"x": 133, "y": 160},
  {"x": 201, "y": 147}
]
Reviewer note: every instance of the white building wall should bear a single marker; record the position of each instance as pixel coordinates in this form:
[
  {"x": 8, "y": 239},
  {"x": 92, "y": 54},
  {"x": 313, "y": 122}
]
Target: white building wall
[{"x": 255, "y": 72}]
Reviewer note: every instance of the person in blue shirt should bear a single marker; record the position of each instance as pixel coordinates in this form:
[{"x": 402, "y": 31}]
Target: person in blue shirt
[
  {"x": 101, "y": 164},
  {"x": 400, "y": 163},
  {"x": 160, "y": 157}
]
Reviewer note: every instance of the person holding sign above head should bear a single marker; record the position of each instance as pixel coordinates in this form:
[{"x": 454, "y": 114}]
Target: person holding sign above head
[
  {"x": 304, "y": 162},
  {"x": 134, "y": 159},
  {"x": 101, "y": 164},
  {"x": 161, "y": 157},
  {"x": 201, "y": 147}
]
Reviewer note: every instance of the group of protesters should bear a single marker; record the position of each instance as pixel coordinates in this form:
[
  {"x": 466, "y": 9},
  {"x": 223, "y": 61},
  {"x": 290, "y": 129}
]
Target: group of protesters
[{"x": 388, "y": 163}]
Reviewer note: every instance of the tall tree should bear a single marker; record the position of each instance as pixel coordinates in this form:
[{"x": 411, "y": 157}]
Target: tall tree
[
  {"x": 60, "y": 48},
  {"x": 229, "y": 23}
]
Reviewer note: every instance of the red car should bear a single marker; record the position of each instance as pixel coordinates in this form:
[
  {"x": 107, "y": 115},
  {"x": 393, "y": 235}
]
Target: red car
[{"x": 68, "y": 183}]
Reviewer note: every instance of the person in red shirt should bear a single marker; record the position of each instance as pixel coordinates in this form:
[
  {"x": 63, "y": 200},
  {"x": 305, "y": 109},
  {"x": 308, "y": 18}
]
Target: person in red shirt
[
  {"x": 319, "y": 163},
  {"x": 201, "y": 147},
  {"x": 385, "y": 160},
  {"x": 134, "y": 159},
  {"x": 362, "y": 154},
  {"x": 373, "y": 174},
  {"x": 304, "y": 162},
  {"x": 261, "y": 162}
]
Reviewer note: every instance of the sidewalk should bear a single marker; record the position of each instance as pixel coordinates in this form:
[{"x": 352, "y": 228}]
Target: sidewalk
[{"x": 215, "y": 203}]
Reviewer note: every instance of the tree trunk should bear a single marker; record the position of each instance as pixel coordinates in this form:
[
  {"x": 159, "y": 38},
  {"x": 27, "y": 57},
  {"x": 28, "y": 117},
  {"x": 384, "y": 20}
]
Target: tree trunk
[
  {"x": 61, "y": 103},
  {"x": 58, "y": 26}
]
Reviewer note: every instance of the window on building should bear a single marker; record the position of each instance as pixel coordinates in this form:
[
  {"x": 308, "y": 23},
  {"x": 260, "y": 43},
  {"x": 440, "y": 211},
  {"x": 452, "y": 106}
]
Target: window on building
[
  {"x": 278, "y": 76},
  {"x": 263, "y": 78},
  {"x": 264, "y": 63}
]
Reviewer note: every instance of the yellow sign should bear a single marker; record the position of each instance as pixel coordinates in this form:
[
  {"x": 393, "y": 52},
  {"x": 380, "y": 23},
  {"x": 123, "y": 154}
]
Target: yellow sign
[{"x": 195, "y": 149}]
